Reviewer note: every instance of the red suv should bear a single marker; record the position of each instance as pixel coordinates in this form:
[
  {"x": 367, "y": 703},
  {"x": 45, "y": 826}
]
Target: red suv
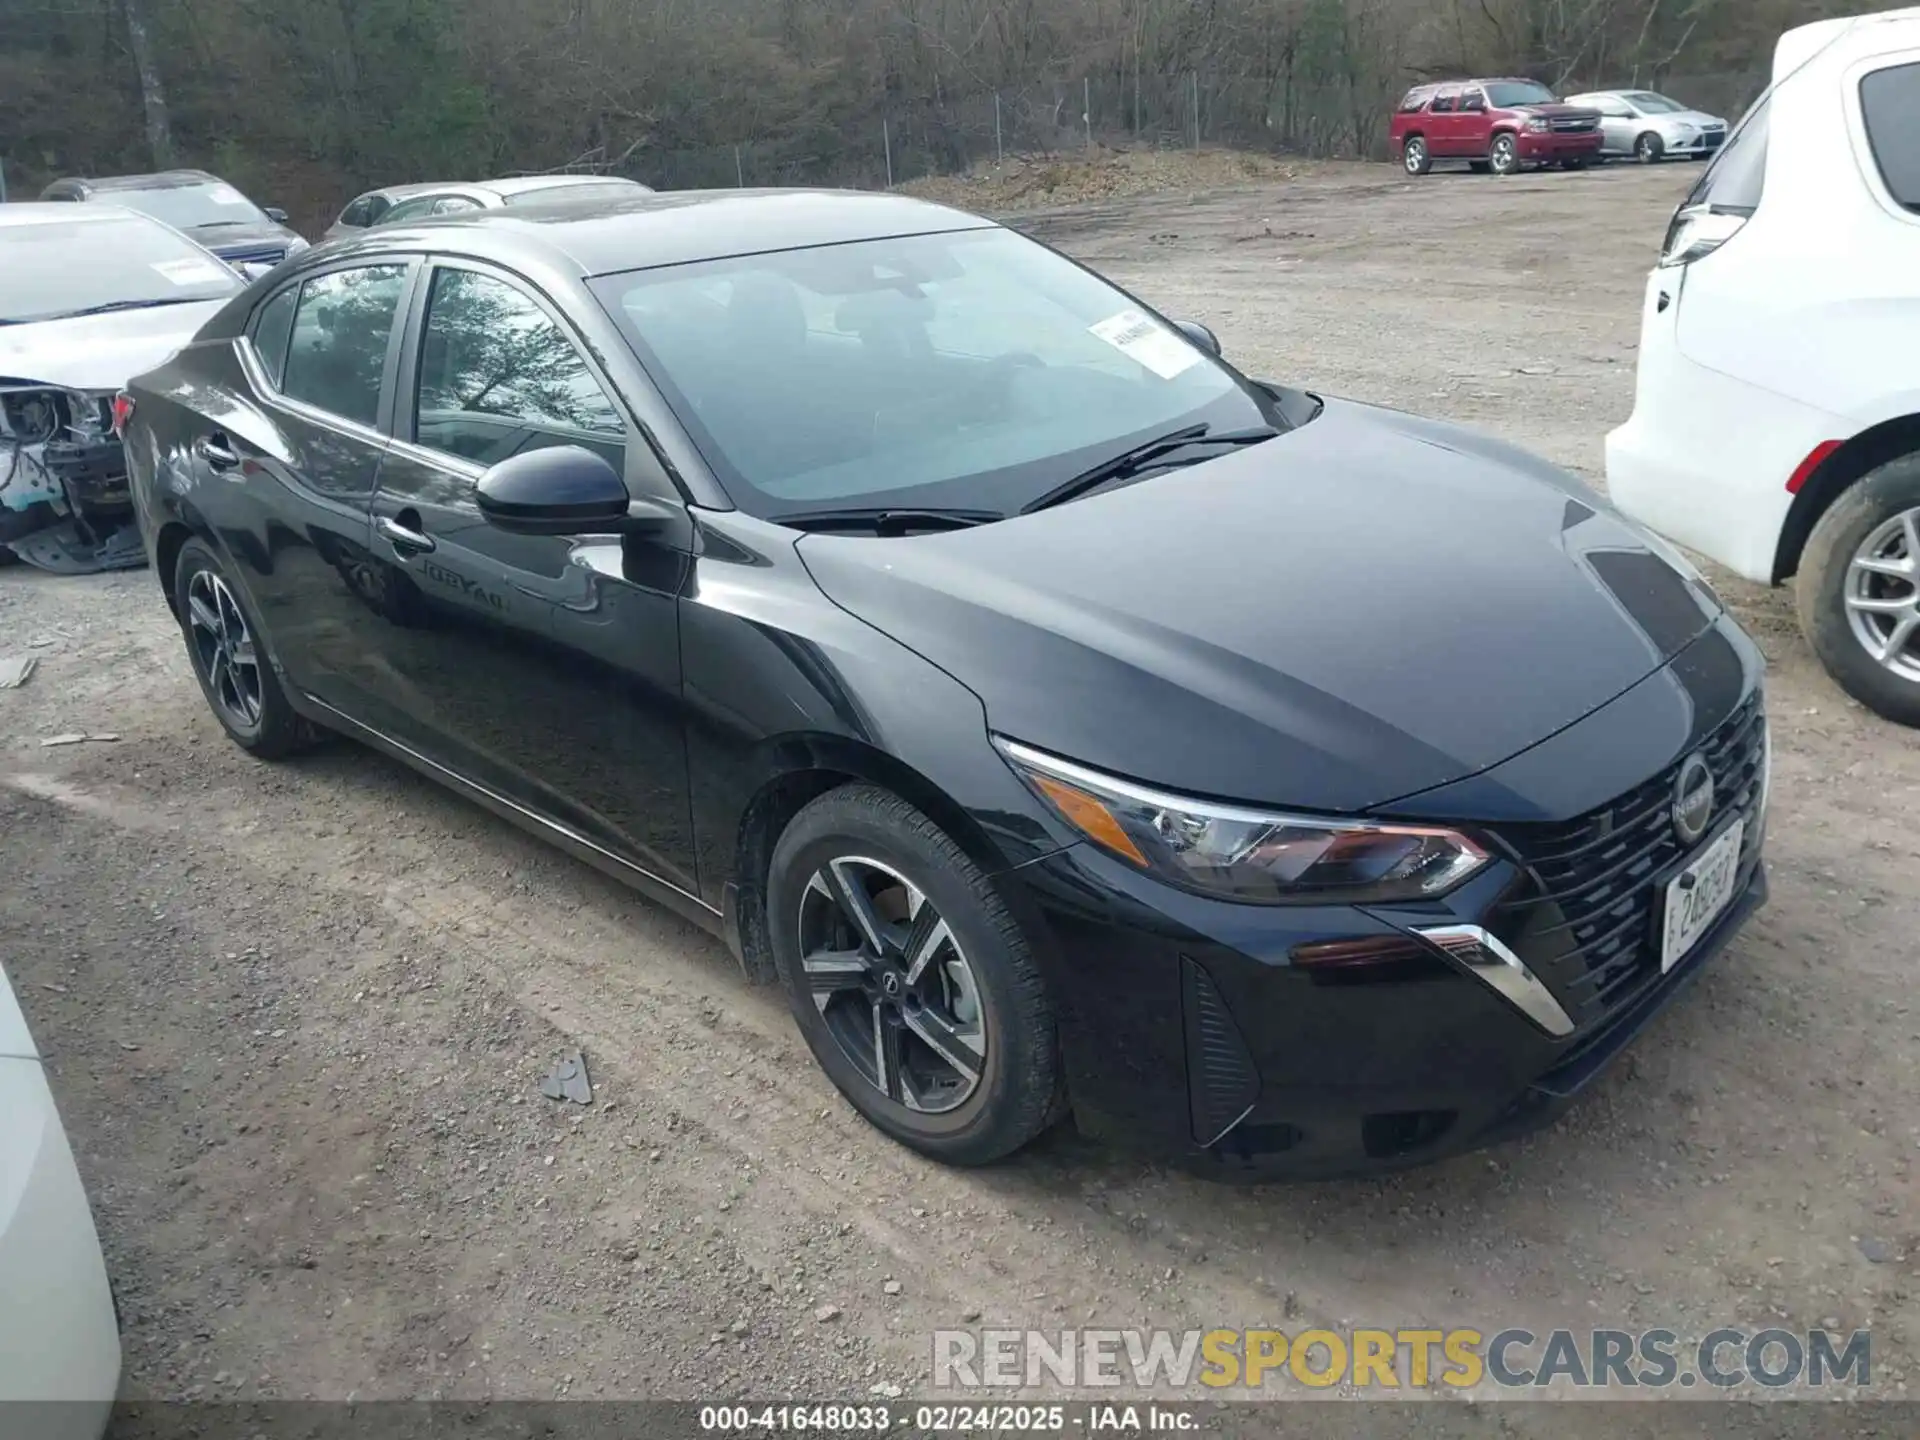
[{"x": 1496, "y": 125}]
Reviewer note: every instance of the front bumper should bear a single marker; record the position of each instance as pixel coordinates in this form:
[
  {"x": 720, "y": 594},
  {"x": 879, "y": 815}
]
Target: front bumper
[
  {"x": 1189, "y": 1031},
  {"x": 1557, "y": 145},
  {"x": 59, "y": 1341}
]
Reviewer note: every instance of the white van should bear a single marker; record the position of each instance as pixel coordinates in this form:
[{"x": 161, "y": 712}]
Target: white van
[{"x": 1776, "y": 423}]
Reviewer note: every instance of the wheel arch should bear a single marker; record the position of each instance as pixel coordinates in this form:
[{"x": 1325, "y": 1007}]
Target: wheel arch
[
  {"x": 1853, "y": 461},
  {"x": 798, "y": 769}
]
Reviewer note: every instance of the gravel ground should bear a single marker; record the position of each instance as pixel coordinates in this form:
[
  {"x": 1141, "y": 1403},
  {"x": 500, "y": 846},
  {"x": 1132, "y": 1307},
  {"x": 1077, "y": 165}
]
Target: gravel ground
[{"x": 297, "y": 1015}]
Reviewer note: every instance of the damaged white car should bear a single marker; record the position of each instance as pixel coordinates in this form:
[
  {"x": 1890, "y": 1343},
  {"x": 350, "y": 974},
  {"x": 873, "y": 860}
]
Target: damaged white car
[{"x": 90, "y": 295}]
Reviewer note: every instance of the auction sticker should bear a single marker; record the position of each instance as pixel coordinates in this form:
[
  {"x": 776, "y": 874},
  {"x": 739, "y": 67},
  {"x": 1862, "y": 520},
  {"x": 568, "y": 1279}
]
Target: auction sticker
[
  {"x": 1147, "y": 343},
  {"x": 191, "y": 271}
]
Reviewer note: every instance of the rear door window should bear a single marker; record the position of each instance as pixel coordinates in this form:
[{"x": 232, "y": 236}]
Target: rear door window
[
  {"x": 337, "y": 361},
  {"x": 1444, "y": 102},
  {"x": 272, "y": 329},
  {"x": 1890, "y": 111}
]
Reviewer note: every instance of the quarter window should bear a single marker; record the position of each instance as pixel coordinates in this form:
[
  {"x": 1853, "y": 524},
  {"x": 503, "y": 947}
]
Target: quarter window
[
  {"x": 1890, "y": 108},
  {"x": 1737, "y": 179},
  {"x": 499, "y": 377},
  {"x": 272, "y": 329},
  {"x": 359, "y": 214},
  {"x": 340, "y": 334}
]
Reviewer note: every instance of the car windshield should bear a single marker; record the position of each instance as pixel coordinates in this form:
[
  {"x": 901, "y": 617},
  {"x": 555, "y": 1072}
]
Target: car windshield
[
  {"x": 1505, "y": 94},
  {"x": 186, "y": 207},
  {"x": 1649, "y": 103},
  {"x": 49, "y": 271},
  {"x": 967, "y": 369},
  {"x": 585, "y": 190}
]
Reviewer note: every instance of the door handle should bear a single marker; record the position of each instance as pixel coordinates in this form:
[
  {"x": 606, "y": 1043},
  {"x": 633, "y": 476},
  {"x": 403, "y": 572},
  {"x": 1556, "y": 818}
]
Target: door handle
[
  {"x": 217, "y": 453},
  {"x": 405, "y": 540}
]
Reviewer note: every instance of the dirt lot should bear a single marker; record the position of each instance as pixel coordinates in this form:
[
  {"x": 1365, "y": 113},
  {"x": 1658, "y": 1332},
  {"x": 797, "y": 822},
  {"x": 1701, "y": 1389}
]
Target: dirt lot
[{"x": 298, "y": 1014}]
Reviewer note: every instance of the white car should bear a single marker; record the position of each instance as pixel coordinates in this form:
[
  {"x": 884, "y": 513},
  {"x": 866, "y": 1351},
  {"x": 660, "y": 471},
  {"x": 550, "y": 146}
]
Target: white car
[
  {"x": 90, "y": 296},
  {"x": 1776, "y": 422},
  {"x": 1650, "y": 127},
  {"x": 59, "y": 1341}
]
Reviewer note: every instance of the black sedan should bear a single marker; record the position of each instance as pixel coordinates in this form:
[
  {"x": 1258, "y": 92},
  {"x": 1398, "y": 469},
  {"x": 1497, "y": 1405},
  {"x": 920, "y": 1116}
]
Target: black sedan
[{"x": 1069, "y": 721}]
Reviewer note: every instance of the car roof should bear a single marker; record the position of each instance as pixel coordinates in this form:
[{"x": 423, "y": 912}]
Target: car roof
[
  {"x": 22, "y": 213},
  {"x": 650, "y": 229},
  {"x": 159, "y": 180}
]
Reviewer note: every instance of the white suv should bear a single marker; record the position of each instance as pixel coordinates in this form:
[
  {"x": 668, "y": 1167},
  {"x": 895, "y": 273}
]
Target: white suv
[{"x": 1776, "y": 425}]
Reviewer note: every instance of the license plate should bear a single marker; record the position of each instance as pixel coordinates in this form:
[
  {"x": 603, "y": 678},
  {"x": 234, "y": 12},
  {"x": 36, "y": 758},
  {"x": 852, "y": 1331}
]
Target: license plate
[{"x": 1697, "y": 895}]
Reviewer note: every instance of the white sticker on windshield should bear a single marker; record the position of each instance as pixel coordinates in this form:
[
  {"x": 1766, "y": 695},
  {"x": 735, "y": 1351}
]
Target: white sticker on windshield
[
  {"x": 226, "y": 195},
  {"x": 1147, "y": 343},
  {"x": 191, "y": 271}
]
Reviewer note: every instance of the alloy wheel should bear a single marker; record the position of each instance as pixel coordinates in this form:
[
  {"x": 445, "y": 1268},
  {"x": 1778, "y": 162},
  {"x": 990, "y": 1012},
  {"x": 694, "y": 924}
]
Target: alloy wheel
[
  {"x": 1416, "y": 156},
  {"x": 1648, "y": 149},
  {"x": 224, "y": 648},
  {"x": 1505, "y": 157},
  {"x": 1882, "y": 594},
  {"x": 892, "y": 984}
]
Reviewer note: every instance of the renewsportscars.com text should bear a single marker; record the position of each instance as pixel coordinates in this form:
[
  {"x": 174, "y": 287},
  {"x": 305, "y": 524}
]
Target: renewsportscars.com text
[{"x": 1414, "y": 1359}]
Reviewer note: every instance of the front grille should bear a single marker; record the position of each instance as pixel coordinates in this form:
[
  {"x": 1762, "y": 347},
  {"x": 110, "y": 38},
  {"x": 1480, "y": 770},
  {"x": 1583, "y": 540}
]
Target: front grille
[
  {"x": 1575, "y": 125},
  {"x": 1586, "y": 919}
]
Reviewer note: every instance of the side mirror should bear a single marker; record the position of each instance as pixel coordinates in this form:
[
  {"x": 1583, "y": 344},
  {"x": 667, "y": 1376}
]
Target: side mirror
[
  {"x": 275, "y": 214},
  {"x": 1199, "y": 335},
  {"x": 559, "y": 490}
]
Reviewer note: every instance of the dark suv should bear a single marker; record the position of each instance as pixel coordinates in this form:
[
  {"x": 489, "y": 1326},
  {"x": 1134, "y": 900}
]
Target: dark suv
[{"x": 1496, "y": 125}]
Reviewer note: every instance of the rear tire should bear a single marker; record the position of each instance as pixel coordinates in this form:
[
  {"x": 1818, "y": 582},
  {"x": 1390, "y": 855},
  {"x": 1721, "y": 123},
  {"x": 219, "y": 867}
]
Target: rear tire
[
  {"x": 1415, "y": 156},
  {"x": 954, "y": 1056},
  {"x": 230, "y": 659},
  {"x": 1859, "y": 584}
]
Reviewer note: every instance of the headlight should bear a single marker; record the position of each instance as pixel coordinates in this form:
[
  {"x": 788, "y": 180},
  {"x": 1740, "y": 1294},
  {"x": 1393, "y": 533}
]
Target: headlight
[
  {"x": 1538, "y": 123},
  {"x": 1249, "y": 855},
  {"x": 1696, "y": 233}
]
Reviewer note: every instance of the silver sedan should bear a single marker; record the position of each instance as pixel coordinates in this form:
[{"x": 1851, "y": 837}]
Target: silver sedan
[{"x": 1651, "y": 127}]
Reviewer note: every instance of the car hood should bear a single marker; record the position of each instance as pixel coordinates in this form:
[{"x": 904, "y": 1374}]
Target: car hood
[
  {"x": 225, "y": 240},
  {"x": 1366, "y": 607},
  {"x": 100, "y": 352},
  {"x": 1558, "y": 109}
]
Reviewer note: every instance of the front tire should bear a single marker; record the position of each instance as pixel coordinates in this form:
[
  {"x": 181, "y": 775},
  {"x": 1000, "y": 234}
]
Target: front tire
[
  {"x": 1415, "y": 156},
  {"x": 230, "y": 659},
  {"x": 1649, "y": 149},
  {"x": 910, "y": 979},
  {"x": 1858, "y": 592},
  {"x": 1504, "y": 158}
]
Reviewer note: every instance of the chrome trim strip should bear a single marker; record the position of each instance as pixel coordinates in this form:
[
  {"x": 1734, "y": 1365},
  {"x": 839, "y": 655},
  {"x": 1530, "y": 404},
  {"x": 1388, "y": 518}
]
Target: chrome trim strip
[
  {"x": 566, "y": 832},
  {"x": 1502, "y": 970}
]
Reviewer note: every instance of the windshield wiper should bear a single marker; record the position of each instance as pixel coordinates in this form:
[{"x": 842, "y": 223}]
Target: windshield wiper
[
  {"x": 113, "y": 305},
  {"x": 1141, "y": 457},
  {"x": 221, "y": 224},
  {"x": 883, "y": 521}
]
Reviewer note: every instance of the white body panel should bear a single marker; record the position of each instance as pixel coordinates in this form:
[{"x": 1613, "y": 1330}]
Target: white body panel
[{"x": 59, "y": 1342}]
